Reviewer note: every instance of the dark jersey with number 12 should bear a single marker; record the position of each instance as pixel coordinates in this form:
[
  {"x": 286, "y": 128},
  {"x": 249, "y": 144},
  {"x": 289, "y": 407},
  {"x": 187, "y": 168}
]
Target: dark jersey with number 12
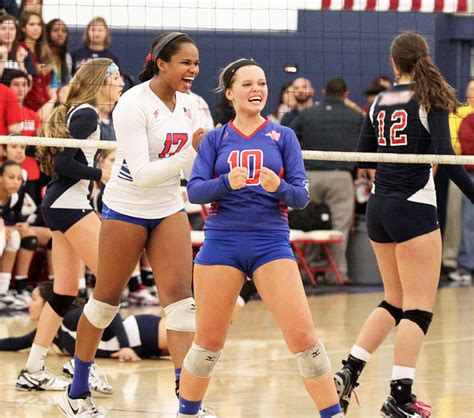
[{"x": 396, "y": 123}]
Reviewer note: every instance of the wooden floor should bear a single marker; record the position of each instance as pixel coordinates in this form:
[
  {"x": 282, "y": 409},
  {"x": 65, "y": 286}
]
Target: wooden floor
[{"x": 257, "y": 376}]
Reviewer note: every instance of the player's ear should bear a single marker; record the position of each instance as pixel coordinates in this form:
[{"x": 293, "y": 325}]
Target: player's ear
[
  {"x": 228, "y": 94},
  {"x": 160, "y": 64}
]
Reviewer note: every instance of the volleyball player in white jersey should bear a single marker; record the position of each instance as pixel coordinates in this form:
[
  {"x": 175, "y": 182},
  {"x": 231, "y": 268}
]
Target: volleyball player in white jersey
[
  {"x": 157, "y": 131},
  {"x": 66, "y": 208}
]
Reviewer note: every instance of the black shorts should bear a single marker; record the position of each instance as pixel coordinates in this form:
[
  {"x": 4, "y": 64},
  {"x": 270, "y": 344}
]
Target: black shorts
[
  {"x": 391, "y": 219},
  {"x": 63, "y": 219}
]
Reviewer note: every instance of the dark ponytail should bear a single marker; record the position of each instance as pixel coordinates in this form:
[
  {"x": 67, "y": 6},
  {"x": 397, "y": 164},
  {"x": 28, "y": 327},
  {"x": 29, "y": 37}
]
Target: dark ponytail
[
  {"x": 410, "y": 53},
  {"x": 166, "y": 51}
]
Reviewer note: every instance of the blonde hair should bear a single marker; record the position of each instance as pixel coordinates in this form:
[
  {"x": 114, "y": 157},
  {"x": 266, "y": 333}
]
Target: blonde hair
[
  {"x": 96, "y": 21},
  {"x": 84, "y": 88}
]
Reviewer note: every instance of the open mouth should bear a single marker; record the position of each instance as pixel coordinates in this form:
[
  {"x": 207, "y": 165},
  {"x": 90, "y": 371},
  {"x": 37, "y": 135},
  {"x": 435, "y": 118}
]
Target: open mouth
[
  {"x": 256, "y": 99},
  {"x": 188, "y": 81}
]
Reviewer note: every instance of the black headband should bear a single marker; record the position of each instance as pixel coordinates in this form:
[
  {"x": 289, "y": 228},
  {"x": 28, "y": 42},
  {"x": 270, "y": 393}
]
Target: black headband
[
  {"x": 163, "y": 42},
  {"x": 227, "y": 78}
]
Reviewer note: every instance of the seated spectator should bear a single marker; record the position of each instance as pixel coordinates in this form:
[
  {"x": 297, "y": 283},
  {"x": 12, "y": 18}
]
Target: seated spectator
[
  {"x": 19, "y": 82},
  {"x": 33, "y": 39},
  {"x": 286, "y": 102},
  {"x": 17, "y": 57},
  {"x": 57, "y": 36},
  {"x": 96, "y": 41}
]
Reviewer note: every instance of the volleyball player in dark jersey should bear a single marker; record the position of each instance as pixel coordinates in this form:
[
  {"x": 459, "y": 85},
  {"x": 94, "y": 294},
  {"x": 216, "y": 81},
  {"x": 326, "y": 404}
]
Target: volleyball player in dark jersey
[{"x": 409, "y": 118}]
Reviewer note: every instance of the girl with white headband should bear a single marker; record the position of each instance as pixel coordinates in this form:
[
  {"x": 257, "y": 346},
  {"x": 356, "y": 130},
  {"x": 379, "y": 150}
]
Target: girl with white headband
[
  {"x": 158, "y": 129},
  {"x": 66, "y": 208}
]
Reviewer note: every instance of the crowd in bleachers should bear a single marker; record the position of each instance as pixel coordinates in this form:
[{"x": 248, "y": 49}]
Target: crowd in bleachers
[{"x": 35, "y": 69}]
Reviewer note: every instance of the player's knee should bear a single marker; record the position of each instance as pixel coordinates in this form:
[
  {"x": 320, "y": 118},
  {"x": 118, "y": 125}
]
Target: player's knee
[
  {"x": 314, "y": 362},
  {"x": 61, "y": 303},
  {"x": 421, "y": 318},
  {"x": 14, "y": 241},
  {"x": 100, "y": 314},
  {"x": 29, "y": 242},
  {"x": 201, "y": 362},
  {"x": 397, "y": 313},
  {"x": 181, "y": 315}
]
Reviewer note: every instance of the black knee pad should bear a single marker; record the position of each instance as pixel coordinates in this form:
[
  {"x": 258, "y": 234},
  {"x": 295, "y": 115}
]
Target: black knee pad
[
  {"x": 397, "y": 313},
  {"x": 421, "y": 318},
  {"x": 61, "y": 303},
  {"x": 49, "y": 244},
  {"x": 29, "y": 243}
]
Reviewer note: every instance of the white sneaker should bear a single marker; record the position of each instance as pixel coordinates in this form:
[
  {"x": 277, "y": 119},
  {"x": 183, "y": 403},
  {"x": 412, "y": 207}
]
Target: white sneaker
[
  {"x": 82, "y": 407},
  {"x": 13, "y": 301},
  {"x": 457, "y": 276},
  {"x": 142, "y": 297},
  {"x": 97, "y": 379},
  {"x": 42, "y": 380}
]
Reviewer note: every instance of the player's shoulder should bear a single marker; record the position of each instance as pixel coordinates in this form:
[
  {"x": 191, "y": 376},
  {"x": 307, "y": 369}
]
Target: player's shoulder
[{"x": 279, "y": 132}]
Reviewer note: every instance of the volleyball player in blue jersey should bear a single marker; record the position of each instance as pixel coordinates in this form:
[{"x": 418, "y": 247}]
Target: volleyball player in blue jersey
[
  {"x": 66, "y": 208},
  {"x": 251, "y": 169},
  {"x": 409, "y": 118}
]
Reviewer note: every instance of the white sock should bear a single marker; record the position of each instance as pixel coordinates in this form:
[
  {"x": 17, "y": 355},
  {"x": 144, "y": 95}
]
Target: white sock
[
  {"x": 36, "y": 358},
  {"x": 82, "y": 282},
  {"x": 50, "y": 277},
  {"x": 4, "y": 282},
  {"x": 360, "y": 353},
  {"x": 402, "y": 372}
]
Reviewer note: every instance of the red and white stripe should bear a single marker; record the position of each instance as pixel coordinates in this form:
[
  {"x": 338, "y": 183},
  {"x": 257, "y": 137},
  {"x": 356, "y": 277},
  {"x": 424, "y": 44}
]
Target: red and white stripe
[{"x": 427, "y": 6}]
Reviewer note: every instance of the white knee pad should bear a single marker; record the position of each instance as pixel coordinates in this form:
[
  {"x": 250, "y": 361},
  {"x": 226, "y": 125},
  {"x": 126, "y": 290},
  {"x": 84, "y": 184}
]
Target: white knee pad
[
  {"x": 314, "y": 362},
  {"x": 100, "y": 314},
  {"x": 14, "y": 242},
  {"x": 181, "y": 315},
  {"x": 3, "y": 240},
  {"x": 201, "y": 362}
]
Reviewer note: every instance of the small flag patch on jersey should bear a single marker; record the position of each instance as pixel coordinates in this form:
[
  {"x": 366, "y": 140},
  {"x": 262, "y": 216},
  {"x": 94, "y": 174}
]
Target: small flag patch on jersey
[
  {"x": 273, "y": 135},
  {"x": 187, "y": 112}
]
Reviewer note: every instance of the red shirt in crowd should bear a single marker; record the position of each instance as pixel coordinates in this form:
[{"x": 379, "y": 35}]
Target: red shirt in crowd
[{"x": 10, "y": 111}]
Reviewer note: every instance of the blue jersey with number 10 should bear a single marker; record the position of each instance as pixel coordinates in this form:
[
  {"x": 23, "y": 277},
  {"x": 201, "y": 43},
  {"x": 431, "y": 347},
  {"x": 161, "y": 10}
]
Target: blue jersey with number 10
[{"x": 250, "y": 208}]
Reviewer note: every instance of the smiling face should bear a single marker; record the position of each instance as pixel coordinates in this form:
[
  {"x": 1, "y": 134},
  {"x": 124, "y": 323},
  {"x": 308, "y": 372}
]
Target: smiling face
[
  {"x": 248, "y": 92},
  {"x": 183, "y": 67},
  {"x": 112, "y": 89}
]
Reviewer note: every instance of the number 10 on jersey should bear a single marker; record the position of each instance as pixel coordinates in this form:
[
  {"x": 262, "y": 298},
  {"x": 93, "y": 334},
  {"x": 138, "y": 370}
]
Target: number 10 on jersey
[{"x": 251, "y": 159}]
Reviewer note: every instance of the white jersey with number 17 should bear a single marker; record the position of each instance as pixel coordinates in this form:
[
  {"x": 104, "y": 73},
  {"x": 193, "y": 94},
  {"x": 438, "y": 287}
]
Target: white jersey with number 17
[{"x": 154, "y": 145}]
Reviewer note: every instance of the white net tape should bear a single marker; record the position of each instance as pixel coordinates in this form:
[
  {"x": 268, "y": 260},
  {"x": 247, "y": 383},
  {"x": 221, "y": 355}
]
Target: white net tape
[{"x": 307, "y": 155}]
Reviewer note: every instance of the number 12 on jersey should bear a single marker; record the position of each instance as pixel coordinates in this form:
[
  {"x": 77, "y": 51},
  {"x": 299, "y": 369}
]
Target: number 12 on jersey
[
  {"x": 399, "y": 121},
  {"x": 251, "y": 159}
]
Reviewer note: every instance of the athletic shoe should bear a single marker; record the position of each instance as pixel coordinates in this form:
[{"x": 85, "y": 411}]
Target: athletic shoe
[
  {"x": 42, "y": 380},
  {"x": 414, "y": 409},
  {"x": 457, "y": 276},
  {"x": 82, "y": 407},
  {"x": 152, "y": 290},
  {"x": 344, "y": 387},
  {"x": 142, "y": 297},
  {"x": 97, "y": 379},
  {"x": 203, "y": 412},
  {"x": 13, "y": 301}
]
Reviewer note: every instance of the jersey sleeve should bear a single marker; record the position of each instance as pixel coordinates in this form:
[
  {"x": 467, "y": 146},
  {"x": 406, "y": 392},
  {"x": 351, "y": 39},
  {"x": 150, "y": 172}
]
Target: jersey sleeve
[
  {"x": 81, "y": 124},
  {"x": 17, "y": 343},
  {"x": 293, "y": 189},
  {"x": 116, "y": 328},
  {"x": 130, "y": 128},
  {"x": 202, "y": 186},
  {"x": 438, "y": 122},
  {"x": 367, "y": 140}
]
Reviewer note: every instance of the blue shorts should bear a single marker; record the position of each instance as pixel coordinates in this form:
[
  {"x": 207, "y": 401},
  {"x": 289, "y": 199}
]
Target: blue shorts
[
  {"x": 391, "y": 219},
  {"x": 244, "y": 250},
  {"x": 111, "y": 215},
  {"x": 62, "y": 219}
]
